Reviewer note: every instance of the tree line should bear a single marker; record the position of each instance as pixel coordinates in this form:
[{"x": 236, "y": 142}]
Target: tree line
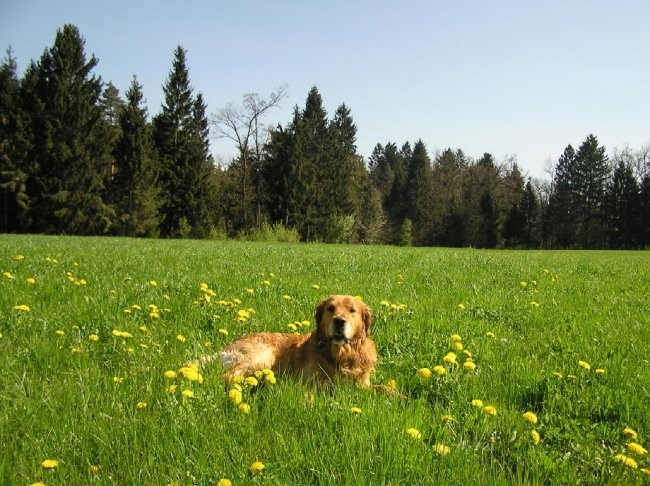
[{"x": 77, "y": 158}]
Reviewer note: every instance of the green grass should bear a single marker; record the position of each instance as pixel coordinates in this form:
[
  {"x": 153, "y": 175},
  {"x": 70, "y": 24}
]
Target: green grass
[{"x": 59, "y": 400}]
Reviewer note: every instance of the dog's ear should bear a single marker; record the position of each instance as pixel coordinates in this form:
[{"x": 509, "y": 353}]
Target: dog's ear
[
  {"x": 366, "y": 315},
  {"x": 318, "y": 315}
]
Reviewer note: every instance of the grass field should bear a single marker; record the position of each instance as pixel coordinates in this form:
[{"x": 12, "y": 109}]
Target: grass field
[{"x": 90, "y": 326}]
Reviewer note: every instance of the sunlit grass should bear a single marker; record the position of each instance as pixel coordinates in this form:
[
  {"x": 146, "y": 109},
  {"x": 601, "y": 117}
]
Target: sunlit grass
[{"x": 513, "y": 367}]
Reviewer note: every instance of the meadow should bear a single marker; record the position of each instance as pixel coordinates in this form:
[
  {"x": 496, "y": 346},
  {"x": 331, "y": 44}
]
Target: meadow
[{"x": 511, "y": 367}]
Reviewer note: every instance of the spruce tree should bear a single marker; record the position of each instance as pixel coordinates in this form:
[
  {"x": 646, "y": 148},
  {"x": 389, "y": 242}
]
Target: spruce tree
[
  {"x": 623, "y": 209},
  {"x": 561, "y": 211},
  {"x": 135, "y": 190},
  {"x": 67, "y": 171},
  {"x": 418, "y": 197}
]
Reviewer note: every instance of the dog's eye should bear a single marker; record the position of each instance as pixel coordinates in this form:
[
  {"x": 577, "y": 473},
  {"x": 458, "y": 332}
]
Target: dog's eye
[
  {"x": 352, "y": 310},
  {"x": 330, "y": 308}
]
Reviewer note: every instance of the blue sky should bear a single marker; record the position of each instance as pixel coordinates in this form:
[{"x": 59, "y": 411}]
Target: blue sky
[{"x": 513, "y": 77}]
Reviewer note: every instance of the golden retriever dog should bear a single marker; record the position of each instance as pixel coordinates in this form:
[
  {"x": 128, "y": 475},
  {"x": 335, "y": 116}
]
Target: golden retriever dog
[{"x": 339, "y": 347}]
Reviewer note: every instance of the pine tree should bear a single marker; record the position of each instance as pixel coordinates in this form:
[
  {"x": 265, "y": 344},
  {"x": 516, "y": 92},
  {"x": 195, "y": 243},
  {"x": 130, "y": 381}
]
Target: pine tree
[
  {"x": 14, "y": 202},
  {"x": 591, "y": 174},
  {"x": 67, "y": 174},
  {"x": 135, "y": 190},
  {"x": 644, "y": 196},
  {"x": 419, "y": 198},
  {"x": 623, "y": 209},
  {"x": 180, "y": 138},
  {"x": 561, "y": 212}
]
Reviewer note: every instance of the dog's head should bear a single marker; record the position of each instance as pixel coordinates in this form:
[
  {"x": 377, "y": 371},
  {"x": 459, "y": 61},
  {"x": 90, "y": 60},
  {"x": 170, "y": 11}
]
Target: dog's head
[{"x": 342, "y": 318}]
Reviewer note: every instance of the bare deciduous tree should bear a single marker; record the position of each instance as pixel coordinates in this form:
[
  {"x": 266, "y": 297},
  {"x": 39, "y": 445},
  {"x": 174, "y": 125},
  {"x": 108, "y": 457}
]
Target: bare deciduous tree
[{"x": 243, "y": 125}]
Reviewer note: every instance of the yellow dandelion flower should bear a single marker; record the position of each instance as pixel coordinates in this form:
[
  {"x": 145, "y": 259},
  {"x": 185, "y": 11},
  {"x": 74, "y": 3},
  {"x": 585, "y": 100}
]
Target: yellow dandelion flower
[
  {"x": 19, "y": 258},
  {"x": 490, "y": 334},
  {"x": 461, "y": 307},
  {"x": 143, "y": 329},
  {"x": 628, "y": 461},
  {"x": 467, "y": 353},
  {"x": 385, "y": 303},
  {"x": 244, "y": 408},
  {"x": 315, "y": 286},
  {"x": 450, "y": 358},
  {"x": 171, "y": 389},
  {"x": 455, "y": 338},
  {"x": 458, "y": 346},
  {"x": 534, "y": 304},
  {"x": 392, "y": 384},
  {"x": 476, "y": 403},
  {"x": 8, "y": 275},
  {"x": 292, "y": 326},
  {"x": 572, "y": 377},
  {"x": 599, "y": 371},
  {"x": 75, "y": 350},
  {"x": 94, "y": 469},
  {"x": 187, "y": 393},
  {"x": 191, "y": 373},
  {"x": 141, "y": 405},
  {"x": 584, "y": 365},
  {"x": 557, "y": 374},
  {"x": 637, "y": 449},
  {"x": 37, "y": 483},
  {"x": 441, "y": 449},
  {"x": 93, "y": 337},
  {"x": 22, "y": 308},
  {"x": 257, "y": 467},
  {"x": 469, "y": 365},
  {"x": 271, "y": 379},
  {"x": 266, "y": 282},
  {"x": 30, "y": 280},
  {"x": 224, "y": 482},
  {"x": 251, "y": 381},
  {"x": 534, "y": 437},
  {"x": 415, "y": 433},
  {"x": 118, "y": 379},
  {"x": 153, "y": 283},
  {"x": 50, "y": 464},
  {"x": 424, "y": 373},
  {"x": 630, "y": 433},
  {"x": 170, "y": 374},
  {"x": 645, "y": 470},
  {"x": 180, "y": 338},
  {"x": 59, "y": 332},
  {"x": 447, "y": 418},
  {"x": 439, "y": 370},
  {"x": 490, "y": 410},
  {"x": 523, "y": 284},
  {"x": 286, "y": 297},
  {"x": 235, "y": 396},
  {"x": 356, "y": 410},
  {"x": 530, "y": 417}
]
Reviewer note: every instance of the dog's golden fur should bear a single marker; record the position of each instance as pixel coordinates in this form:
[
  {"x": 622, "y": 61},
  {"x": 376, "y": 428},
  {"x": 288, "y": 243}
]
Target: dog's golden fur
[{"x": 340, "y": 346}]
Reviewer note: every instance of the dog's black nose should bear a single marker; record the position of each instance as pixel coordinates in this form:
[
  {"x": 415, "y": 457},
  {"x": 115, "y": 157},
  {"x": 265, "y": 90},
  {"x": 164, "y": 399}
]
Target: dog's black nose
[{"x": 339, "y": 322}]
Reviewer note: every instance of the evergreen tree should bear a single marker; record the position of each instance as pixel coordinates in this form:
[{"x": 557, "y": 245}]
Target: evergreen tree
[
  {"x": 623, "y": 209},
  {"x": 419, "y": 194},
  {"x": 591, "y": 174},
  {"x": 67, "y": 174},
  {"x": 14, "y": 202},
  {"x": 135, "y": 190},
  {"x": 181, "y": 143},
  {"x": 644, "y": 218},
  {"x": 449, "y": 171},
  {"x": 561, "y": 212},
  {"x": 530, "y": 206}
]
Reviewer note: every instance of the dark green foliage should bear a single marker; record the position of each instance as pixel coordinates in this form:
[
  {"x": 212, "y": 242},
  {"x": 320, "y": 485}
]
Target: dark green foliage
[
  {"x": 135, "y": 192},
  {"x": 67, "y": 157},
  {"x": 623, "y": 209}
]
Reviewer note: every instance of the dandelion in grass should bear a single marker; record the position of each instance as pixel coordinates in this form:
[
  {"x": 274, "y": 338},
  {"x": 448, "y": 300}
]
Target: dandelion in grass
[
  {"x": 628, "y": 461},
  {"x": 530, "y": 417},
  {"x": 170, "y": 374},
  {"x": 637, "y": 449},
  {"x": 315, "y": 286},
  {"x": 490, "y": 410},
  {"x": 645, "y": 470},
  {"x": 392, "y": 384},
  {"x": 37, "y": 483},
  {"x": 523, "y": 284},
  {"x": 439, "y": 370},
  {"x": 30, "y": 281},
  {"x": 490, "y": 334},
  {"x": 251, "y": 381},
  {"x": 447, "y": 418},
  {"x": 8, "y": 275},
  {"x": 153, "y": 283},
  {"x": 187, "y": 393},
  {"x": 461, "y": 307},
  {"x": 171, "y": 389},
  {"x": 50, "y": 464},
  {"x": 286, "y": 297},
  {"x": 224, "y": 482},
  {"x": 356, "y": 410},
  {"x": 599, "y": 371},
  {"x": 19, "y": 258},
  {"x": 534, "y": 304},
  {"x": 450, "y": 358},
  {"x": 257, "y": 467},
  {"x": 414, "y": 433},
  {"x": 584, "y": 365},
  {"x": 557, "y": 374},
  {"x": 534, "y": 437},
  {"x": 266, "y": 282},
  {"x": 59, "y": 332},
  {"x": 455, "y": 338},
  {"x": 75, "y": 350},
  {"x": 244, "y": 408},
  {"x": 424, "y": 373},
  {"x": 469, "y": 365},
  {"x": 235, "y": 396},
  {"x": 94, "y": 469},
  {"x": 180, "y": 338},
  {"x": 476, "y": 403},
  {"x": 22, "y": 308},
  {"x": 143, "y": 329},
  {"x": 572, "y": 377},
  {"x": 93, "y": 337},
  {"x": 457, "y": 346},
  {"x": 141, "y": 405},
  {"x": 630, "y": 433},
  {"x": 118, "y": 379},
  {"x": 441, "y": 449}
]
